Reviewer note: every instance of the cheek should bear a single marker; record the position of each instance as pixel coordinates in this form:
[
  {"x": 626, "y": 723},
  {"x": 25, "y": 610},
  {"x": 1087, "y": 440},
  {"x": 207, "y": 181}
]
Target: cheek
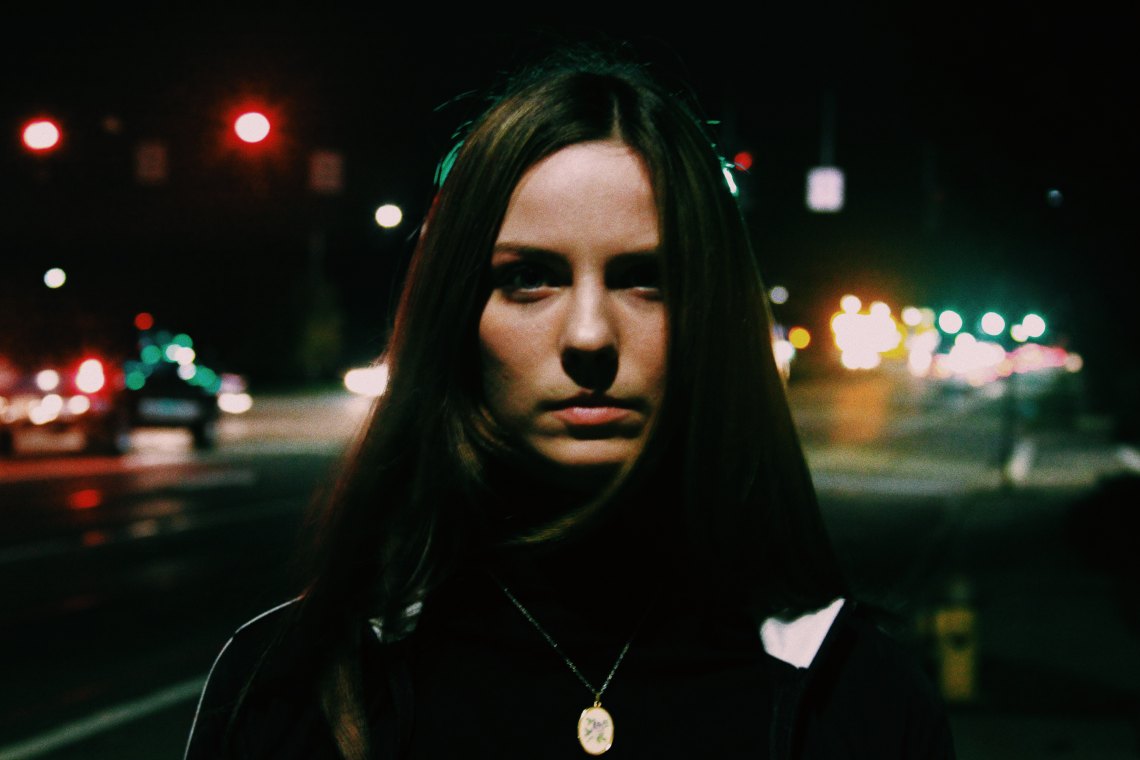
[
  {"x": 509, "y": 364},
  {"x": 652, "y": 353}
]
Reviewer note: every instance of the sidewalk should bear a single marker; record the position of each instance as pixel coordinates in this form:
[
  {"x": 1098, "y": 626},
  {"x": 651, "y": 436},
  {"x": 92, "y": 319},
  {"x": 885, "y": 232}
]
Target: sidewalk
[
  {"x": 1057, "y": 669},
  {"x": 1032, "y": 563}
]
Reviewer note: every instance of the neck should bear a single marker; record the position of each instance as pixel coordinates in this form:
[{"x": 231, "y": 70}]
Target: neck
[{"x": 608, "y": 572}]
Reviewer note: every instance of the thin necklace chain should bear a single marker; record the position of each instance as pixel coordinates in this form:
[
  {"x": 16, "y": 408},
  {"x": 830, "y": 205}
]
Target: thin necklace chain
[{"x": 550, "y": 640}]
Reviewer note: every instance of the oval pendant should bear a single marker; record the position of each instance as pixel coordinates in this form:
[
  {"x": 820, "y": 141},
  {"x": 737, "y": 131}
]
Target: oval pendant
[{"x": 596, "y": 730}]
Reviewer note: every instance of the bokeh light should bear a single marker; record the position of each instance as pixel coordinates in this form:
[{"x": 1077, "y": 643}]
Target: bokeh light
[
  {"x": 367, "y": 381},
  {"x": 949, "y": 322},
  {"x": 47, "y": 380},
  {"x": 993, "y": 323},
  {"x": 41, "y": 135},
  {"x": 389, "y": 215},
  {"x": 55, "y": 278},
  {"x": 90, "y": 377},
  {"x": 252, "y": 127},
  {"x": 235, "y": 403},
  {"x": 1034, "y": 325}
]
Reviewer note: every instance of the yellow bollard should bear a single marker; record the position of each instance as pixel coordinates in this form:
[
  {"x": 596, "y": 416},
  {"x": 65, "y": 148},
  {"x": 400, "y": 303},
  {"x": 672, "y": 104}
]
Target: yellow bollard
[{"x": 955, "y": 631}]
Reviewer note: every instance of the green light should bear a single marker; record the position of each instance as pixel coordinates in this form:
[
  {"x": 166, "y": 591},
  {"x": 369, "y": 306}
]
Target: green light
[
  {"x": 1034, "y": 325},
  {"x": 151, "y": 354},
  {"x": 182, "y": 339},
  {"x": 206, "y": 377},
  {"x": 136, "y": 380},
  {"x": 949, "y": 322},
  {"x": 993, "y": 323}
]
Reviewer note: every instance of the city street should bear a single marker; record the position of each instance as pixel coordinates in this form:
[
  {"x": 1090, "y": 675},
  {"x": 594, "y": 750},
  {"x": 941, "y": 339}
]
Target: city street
[
  {"x": 215, "y": 223},
  {"x": 123, "y": 577}
]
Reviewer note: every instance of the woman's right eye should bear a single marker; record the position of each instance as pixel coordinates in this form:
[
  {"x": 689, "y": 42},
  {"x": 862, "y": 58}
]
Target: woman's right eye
[{"x": 523, "y": 278}]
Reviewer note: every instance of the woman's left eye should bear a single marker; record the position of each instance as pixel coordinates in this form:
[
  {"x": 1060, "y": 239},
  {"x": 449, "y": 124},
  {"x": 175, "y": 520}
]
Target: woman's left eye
[{"x": 642, "y": 276}]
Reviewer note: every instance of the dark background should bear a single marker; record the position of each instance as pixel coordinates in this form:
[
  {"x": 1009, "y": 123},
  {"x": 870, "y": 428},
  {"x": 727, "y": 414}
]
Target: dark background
[{"x": 952, "y": 127}]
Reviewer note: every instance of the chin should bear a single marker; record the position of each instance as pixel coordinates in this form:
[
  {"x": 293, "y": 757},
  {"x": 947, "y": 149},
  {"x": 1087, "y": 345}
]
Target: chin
[{"x": 589, "y": 459}]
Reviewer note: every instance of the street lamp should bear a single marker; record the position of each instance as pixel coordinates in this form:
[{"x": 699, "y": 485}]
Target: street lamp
[
  {"x": 389, "y": 215},
  {"x": 55, "y": 278},
  {"x": 825, "y": 183}
]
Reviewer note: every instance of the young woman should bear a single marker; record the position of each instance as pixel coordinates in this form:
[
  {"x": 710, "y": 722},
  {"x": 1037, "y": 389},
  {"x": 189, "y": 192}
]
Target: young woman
[{"x": 579, "y": 521}]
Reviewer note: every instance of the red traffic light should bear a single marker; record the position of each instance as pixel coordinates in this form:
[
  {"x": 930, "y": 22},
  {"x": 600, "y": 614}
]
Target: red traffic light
[
  {"x": 41, "y": 135},
  {"x": 743, "y": 160},
  {"x": 252, "y": 127}
]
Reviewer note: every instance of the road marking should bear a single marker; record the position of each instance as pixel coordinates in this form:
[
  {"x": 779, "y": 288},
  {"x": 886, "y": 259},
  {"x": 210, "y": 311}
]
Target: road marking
[{"x": 102, "y": 721}]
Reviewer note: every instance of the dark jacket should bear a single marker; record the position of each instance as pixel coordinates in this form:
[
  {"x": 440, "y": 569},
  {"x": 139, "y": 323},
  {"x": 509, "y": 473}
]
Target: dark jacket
[{"x": 844, "y": 689}]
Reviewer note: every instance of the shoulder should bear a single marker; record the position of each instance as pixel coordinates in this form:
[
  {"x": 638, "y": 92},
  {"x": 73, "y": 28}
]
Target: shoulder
[
  {"x": 229, "y": 675},
  {"x": 864, "y": 693}
]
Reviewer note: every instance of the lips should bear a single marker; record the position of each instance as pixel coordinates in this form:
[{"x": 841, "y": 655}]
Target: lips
[{"x": 589, "y": 410}]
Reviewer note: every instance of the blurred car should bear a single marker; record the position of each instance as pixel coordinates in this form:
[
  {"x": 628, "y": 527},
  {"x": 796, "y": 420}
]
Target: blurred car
[
  {"x": 77, "y": 392},
  {"x": 59, "y": 372}
]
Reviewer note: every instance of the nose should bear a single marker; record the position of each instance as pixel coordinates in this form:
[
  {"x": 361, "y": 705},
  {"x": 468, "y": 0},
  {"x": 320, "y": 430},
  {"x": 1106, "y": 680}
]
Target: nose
[{"x": 589, "y": 340}]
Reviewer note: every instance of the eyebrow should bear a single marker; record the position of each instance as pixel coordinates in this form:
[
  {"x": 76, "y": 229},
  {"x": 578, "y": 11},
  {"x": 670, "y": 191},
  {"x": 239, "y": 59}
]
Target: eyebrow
[
  {"x": 530, "y": 251},
  {"x": 527, "y": 251}
]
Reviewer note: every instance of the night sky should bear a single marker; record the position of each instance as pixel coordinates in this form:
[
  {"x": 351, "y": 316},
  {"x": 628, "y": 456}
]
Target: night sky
[{"x": 952, "y": 130}]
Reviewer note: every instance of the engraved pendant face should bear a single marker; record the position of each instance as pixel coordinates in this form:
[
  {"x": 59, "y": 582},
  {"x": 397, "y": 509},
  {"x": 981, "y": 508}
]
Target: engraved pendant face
[{"x": 596, "y": 730}]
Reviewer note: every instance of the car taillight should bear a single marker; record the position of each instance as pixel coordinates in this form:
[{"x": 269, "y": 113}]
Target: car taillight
[{"x": 90, "y": 377}]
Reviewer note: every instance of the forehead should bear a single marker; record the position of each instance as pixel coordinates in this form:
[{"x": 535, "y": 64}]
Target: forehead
[{"x": 594, "y": 192}]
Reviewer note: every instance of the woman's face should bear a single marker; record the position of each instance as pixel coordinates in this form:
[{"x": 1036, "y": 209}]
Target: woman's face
[{"x": 573, "y": 335}]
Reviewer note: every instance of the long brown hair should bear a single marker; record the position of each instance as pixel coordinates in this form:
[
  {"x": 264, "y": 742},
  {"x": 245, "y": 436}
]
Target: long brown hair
[{"x": 409, "y": 505}]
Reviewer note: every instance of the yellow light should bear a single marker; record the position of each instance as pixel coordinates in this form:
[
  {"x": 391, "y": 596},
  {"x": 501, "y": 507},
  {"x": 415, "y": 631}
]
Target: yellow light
[
  {"x": 850, "y": 303},
  {"x": 799, "y": 337},
  {"x": 78, "y": 404}
]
